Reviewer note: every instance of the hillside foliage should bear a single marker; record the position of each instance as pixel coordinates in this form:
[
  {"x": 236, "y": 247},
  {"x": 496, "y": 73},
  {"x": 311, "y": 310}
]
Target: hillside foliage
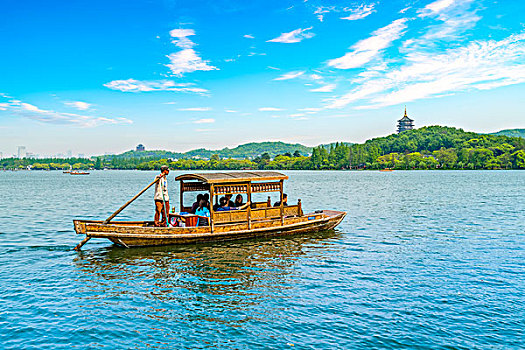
[{"x": 433, "y": 147}]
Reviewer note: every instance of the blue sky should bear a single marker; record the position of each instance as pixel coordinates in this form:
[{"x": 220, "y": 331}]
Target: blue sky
[{"x": 102, "y": 76}]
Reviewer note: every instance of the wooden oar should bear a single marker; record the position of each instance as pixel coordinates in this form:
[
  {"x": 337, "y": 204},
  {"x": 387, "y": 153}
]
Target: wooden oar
[{"x": 84, "y": 241}]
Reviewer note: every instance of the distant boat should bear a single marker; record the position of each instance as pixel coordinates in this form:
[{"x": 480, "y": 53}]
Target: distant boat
[
  {"x": 386, "y": 170},
  {"x": 78, "y": 173},
  {"x": 66, "y": 172}
]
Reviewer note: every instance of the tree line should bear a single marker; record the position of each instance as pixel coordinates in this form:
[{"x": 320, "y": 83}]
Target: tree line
[{"x": 433, "y": 147}]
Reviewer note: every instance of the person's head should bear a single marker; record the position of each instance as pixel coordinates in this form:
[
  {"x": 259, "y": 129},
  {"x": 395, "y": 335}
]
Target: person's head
[
  {"x": 228, "y": 196},
  {"x": 206, "y": 197},
  {"x": 164, "y": 170},
  {"x": 285, "y": 198},
  {"x": 238, "y": 199},
  {"x": 199, "y": 197},
  {"x": 223, "y": 202},
  {"x": 203, "y": 203}
]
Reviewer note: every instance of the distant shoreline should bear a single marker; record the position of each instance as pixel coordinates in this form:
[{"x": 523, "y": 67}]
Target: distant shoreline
[{"x": 433, "y": 147}]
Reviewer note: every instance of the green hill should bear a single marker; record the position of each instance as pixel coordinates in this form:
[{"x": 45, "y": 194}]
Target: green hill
[
  {"x": 439, "y": 147},
  {"x": 432, "y": 147},
  {"x": 249, "y": 150},
  {"x": 511, "y": 133}
]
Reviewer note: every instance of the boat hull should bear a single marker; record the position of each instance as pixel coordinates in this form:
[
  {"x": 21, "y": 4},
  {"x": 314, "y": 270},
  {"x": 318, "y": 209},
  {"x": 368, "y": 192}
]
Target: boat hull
[{"x": 141, "y": 234}]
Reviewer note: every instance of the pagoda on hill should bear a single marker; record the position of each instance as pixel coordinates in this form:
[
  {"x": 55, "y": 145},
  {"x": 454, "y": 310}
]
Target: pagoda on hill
[{"x": 405, "y": 123}]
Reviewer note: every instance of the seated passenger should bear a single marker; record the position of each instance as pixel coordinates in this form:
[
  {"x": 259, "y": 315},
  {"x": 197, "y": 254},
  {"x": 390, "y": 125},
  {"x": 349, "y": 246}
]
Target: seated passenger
[
  {"x": 229, "y": 199},
  {"x": 238, "y": 201},
  {"x": 202, "y": 210},
  {"x": 196, "y": 204},
  {"x": 216, "y": 206},
  {"x": 223, "y": 205},
  {"x": 206, "y": 197},
  {"x": 285, "y": 201}
]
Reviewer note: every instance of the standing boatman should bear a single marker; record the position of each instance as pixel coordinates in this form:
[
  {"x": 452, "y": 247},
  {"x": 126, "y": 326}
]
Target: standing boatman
[{"x": 162, "y": 200}]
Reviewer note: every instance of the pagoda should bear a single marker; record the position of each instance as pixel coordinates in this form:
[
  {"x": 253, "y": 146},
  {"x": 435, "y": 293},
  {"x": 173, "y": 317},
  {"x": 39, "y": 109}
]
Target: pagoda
[{"x": 405, "y": 123}]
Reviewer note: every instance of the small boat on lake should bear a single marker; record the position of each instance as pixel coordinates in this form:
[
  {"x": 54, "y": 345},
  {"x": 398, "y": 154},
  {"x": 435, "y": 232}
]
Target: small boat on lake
[
  {"x": 78, "y": 173},
  {"x": 259, "y": 219}
]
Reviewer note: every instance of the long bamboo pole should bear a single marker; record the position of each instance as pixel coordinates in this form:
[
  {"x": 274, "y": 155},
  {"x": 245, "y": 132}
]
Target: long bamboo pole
[
  {"x": 84, "y": 241},
  {"x": 130, "y": 201}
]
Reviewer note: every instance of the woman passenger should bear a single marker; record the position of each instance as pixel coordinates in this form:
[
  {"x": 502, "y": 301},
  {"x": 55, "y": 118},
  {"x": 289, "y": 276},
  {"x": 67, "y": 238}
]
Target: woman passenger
[
  {"x": 238, "y": 201},
  {"x": 202, "y": 210}
]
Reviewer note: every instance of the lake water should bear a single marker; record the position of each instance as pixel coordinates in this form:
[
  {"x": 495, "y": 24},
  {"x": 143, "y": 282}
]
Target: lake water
[{"x": 424, "y": 259}]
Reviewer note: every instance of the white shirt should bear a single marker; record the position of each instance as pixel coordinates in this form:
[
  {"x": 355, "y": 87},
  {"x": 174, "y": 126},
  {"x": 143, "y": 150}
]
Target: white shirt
[{"x": 161, "y": 187}]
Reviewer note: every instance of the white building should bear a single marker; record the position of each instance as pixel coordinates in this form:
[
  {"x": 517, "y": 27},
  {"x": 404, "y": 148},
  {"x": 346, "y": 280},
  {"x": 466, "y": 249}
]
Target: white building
[{"x": 22, "y": 152}]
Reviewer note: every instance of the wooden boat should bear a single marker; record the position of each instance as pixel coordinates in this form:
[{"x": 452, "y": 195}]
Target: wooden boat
[
  {"x": 259, "y": 219},
  {"x": 78, "y": 173},
  {"x": 386, "y": 169}
]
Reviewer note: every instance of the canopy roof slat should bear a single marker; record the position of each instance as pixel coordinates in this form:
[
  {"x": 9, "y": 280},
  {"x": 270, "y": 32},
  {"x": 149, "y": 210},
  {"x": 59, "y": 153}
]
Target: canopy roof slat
[{"x": 233, "y": 177}]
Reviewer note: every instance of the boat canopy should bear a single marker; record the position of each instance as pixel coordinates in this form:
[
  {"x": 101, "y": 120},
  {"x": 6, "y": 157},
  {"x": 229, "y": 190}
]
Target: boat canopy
[{"x": 233, "y": 177}]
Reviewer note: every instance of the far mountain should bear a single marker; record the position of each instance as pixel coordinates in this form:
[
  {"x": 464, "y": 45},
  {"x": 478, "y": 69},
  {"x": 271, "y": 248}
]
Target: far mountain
[
  {"x": 248, "y": 150},
  {"x": 511, "y": 133}
]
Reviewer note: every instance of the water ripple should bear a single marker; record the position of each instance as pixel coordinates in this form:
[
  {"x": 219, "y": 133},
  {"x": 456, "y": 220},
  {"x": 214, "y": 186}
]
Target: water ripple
[{"x": 425, "y": 259}]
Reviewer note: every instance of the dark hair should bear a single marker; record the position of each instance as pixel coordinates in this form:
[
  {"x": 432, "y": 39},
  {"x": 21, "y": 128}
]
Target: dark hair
[
  {"x": 199, "y": 197},
  {"x": 223, "y": 201},
  {"x": 164, "y": 167},
  {"x": 206, "y": 196},
  {"x": 285, "y": 195},
  {"x": 203, "y": 203},
  {"x": 237, "y": 197}
]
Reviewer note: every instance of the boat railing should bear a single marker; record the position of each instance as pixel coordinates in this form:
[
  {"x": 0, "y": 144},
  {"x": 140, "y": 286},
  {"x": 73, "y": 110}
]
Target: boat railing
[{"x": 230, "y": 216}]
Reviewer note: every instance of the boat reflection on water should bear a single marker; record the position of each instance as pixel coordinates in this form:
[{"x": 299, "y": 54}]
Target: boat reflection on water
[{"x": 196, "y": 282}]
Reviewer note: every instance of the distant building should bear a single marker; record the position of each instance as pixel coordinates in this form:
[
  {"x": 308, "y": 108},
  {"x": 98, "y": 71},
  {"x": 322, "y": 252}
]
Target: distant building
[
  {"x": 140, "y": 147},
  {"x": 405, "y": 123},
  {"x": 22, "y": 152}
]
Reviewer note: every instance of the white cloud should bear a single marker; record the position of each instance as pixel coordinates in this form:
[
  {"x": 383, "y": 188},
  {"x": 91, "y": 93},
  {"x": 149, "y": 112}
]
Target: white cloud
[
  {"x": 181, "y": 38},
  {"x": 196, "y": 109},
  {"x": 435, "y": 7},
  {"x": 296, "y": 115},
  {"x": 54, "y": 117},
  {"x": 248, "y": 36},
  {"x": 480, "y": 65},
  {"x": 315, "y": 77},
  {"x": 132, "y": 85},
  {"x": 230, "y": 111},
  {"x": 367, "y": 49},
  {"x": 82, "y": 106},
  {"x": 204, "y": 121},
  {"x": 187, "y": 61},
  {"x": 270, "y": 109},
  {"x": 360, "y": 12},
  {"x": 294, "y": 36},
  {"x": 290, "y": 75},
  {"x": 310, "y": 110},
  {"x": 325, "y": 88},
  {"x": 454, "y": 18}
]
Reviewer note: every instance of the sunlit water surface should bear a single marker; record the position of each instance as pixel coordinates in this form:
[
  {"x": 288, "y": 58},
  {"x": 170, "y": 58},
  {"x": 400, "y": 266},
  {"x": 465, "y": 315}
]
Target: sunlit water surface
[{"x": 423, "y": 260}]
